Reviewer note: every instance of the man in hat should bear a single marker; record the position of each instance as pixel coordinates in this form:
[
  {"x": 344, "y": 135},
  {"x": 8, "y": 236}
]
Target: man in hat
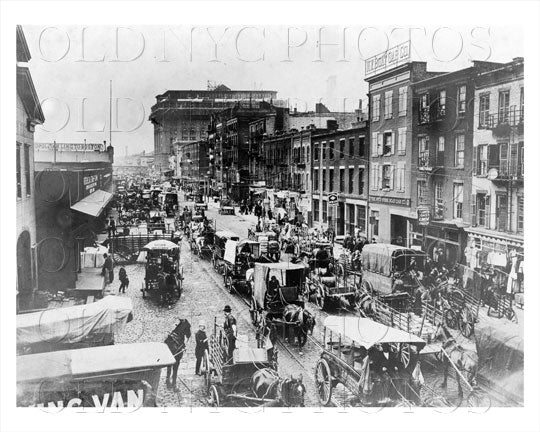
[
  {"x": 229, "y": 326},
  {"x": 201, "y": 345}
]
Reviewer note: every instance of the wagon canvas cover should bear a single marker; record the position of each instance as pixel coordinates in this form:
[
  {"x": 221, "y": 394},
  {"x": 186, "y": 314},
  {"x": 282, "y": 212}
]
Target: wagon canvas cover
[
  {"x": 261, "y": 274},
  {"x": 73, "y": 324}
]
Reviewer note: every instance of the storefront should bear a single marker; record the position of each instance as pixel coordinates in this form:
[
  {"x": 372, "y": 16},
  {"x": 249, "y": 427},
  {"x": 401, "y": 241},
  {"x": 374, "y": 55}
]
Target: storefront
[{"x": 439, "y": 240}]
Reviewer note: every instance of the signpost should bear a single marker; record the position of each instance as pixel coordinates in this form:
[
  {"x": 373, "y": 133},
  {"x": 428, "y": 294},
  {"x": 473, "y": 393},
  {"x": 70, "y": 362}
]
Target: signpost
[{"x": 333, "y": 199}]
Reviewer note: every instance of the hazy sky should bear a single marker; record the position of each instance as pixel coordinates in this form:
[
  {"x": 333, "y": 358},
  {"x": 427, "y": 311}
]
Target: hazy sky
[{"x": 72, "y": 66}]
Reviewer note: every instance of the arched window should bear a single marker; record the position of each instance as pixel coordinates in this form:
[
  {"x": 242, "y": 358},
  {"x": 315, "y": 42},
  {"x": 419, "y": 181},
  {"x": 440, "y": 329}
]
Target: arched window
[
  {"x": 184, "y": 134},
  {"x": 192, "y": 135}
]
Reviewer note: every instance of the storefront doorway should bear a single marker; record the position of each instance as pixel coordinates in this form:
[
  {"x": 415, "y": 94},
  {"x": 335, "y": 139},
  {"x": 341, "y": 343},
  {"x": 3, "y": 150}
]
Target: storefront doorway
[{"x": 398, "y": 228}]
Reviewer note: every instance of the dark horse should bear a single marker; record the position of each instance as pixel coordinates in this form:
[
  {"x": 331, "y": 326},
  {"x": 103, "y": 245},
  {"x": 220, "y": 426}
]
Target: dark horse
[
  {"x": 288, "y": 392},
  {"x": 305, "y": 322},
  {"x": 176, "y": 341},
  {"x": 465, "y": 360}
]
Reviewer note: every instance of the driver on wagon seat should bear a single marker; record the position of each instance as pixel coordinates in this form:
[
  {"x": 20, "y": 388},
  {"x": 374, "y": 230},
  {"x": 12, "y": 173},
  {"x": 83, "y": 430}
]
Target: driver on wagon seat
[{"x": 272, "y": 292}]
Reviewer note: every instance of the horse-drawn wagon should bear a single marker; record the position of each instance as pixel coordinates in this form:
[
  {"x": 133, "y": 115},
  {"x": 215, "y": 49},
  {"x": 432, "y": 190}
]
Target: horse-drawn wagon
[
  {"x": 163, "y": 272},
  {"x": 238, "y": 259},
  {"x": 269, "y": 243},
  {"x": 248, "y": 378},
  {"x": 220, "y": 239},
  {"x": 113, "y": 376},
  {"x": 226, "y": 207},
  {"x": 368, "y": 359}
]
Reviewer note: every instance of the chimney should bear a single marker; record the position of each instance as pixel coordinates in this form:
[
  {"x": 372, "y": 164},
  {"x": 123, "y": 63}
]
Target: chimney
[{"x": 360, "y": 104}]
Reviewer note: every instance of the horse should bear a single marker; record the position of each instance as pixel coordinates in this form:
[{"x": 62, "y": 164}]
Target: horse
[
  {"x": 176, "y": 341},
  {"x": 288, "y": 392},
  {"x": 464, "y": 359},
  {"x": 305, "y": 322}
]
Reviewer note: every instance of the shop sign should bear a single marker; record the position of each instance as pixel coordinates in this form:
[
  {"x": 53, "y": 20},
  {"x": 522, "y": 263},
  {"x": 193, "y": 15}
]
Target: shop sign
[
  {"x": 404, "y": 202},
  {"x": 332, "y": 199},
  {"x": 389, "y": 59},
  {"x": 423, "y": 216}
]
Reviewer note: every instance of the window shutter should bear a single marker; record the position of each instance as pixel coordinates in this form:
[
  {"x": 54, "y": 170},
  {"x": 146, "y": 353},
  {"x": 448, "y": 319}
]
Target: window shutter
[
  {"x": 373, "y": 179},
  {"x": 379, "y": 177},
  {"x": 392, "y": 142},
  {"x": 473, "y": 210},
  {"x": 392, "y": 174},
  {"x": 488, "y": 211},
  {"x": 374, "y": 144},
  {"x": 476, "y": 159},
  {"x": 380, "y": 144}
]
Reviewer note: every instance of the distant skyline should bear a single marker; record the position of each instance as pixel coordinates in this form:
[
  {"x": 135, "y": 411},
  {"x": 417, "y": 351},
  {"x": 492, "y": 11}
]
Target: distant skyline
[{"x": 73, "y": 78}]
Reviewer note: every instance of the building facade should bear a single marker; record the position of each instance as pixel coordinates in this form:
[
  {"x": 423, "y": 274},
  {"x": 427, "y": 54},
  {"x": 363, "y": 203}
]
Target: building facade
[
  {"x": 73, "y": 188},
  {"x": 181, "y": 116},
  {"x": 340, "y": 161},
  {"x": 391, "y": 123},
  {"x": 497, "y": 197},
  {"x": 442, "y": 152},
  {"x": 29, "y": 114},
  {"x": 194, "y": 164}
]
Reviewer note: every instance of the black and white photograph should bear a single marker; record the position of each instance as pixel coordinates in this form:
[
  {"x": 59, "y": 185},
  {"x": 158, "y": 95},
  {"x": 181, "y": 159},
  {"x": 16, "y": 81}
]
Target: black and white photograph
[{"x": 243, "y": 219}]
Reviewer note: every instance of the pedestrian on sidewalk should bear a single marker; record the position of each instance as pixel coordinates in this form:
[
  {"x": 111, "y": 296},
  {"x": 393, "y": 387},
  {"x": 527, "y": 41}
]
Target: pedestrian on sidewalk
[
  {"x": 108, "y": 266},
  {"x": 201, "y": 345},
  {"x": 124, "y": 280}
]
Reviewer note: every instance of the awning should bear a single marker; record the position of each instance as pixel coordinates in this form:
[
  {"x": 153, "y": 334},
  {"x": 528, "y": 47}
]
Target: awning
[
  {"x": 94, "y": 203},
  {"x": 501, "y": 238}
]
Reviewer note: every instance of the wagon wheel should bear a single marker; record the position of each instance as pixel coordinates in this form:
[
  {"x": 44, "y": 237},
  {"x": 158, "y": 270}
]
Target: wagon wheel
[
  {"x": 466, "y": 322},
  {"x": 323, "y": 380},
  {"x": 456, "y": 297},
  {"x": 450, "y": 318},
  {"x": 366, "y": 287},
  {"x": 320, "y": 299},
  {"x": 214, "y": 396},
  {"x": 122, "y": 254},
  {"x": 214, "y": 261},
  {"x": 404, "y": 352}
]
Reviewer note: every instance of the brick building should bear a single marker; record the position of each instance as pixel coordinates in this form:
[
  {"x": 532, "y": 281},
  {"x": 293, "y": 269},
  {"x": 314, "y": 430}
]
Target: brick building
[
  {"x": 339, "y": 165},
  {"x": 181, "y": 116},
  {"x": 194, "y": 163},
  {"x": 442, "y": 158},
  {"x": 29, "y": 114}
]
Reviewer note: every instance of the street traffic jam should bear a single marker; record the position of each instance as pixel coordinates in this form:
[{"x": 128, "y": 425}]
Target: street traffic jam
[{"x": 366, "y": 317}]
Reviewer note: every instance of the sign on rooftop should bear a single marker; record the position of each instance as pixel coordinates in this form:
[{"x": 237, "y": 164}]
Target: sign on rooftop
[{"x": 388, "y": 59}]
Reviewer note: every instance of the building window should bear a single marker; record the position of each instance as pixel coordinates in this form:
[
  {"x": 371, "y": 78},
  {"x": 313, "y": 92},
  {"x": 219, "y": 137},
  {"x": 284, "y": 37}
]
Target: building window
[
  {"x": 360, "y": 181},
  {"x": 361, "y": 218},
  {"x": 324, "y": 180},
  {"x": 423, "y": 151},
  {"x": 388, "y": 174},
  {"x": 458, "y": 201},
  {"x": 402, "y": 141},
  {"x": 520, "y": 213},
  {"x": 424, "y": 108},
  {"x": 462, "y": 99},
  {"x": 27, "y": 169},
  {"x": 323, "y": 150},
  {"x": 439, "y": 204},
  {"x": 521, "y": 105},
  {"x": 351, "y": 180},
  {"x": 402, "y": 109},
  {"x": 504, "y": 106},
  {"x": 316, "y": 210},
  {"x": 184, "y": 134},
  {"x": 482, "y": 167},
  {"x": 484, "y": 110},
  {"x": 459, "y": 158},
  {"x": 375, "y": 222},
  {"x": 316, "y": 151},
  {"x": 351, "y": 147},
  {"x": 342, "y": 179},
  {"x": 19, "y": 184},
  {"x": 501, "y": 212},
  {"x": 441, "y": 104},
  {"x": 440, "y": 151},
  {"x": 316, "y": 179},
  {"x": 376, "y": 108},
  {"x": 482, "y": 212},
  {"x": 341, "y": 148},
  {"x": 388, "y": 105},
  {"x": 421, "y": 192},
  {"x": 388, "y": 143},
  {"x": 361, "y": 148},
  {"x": 325, "y": 211},
  {"x": 331, "y": 150},
  {"x": 331, "y": 180}
]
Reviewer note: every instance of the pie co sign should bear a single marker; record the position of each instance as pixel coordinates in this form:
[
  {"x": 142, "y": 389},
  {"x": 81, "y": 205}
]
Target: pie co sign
[{"x": 423, "y": 215}]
